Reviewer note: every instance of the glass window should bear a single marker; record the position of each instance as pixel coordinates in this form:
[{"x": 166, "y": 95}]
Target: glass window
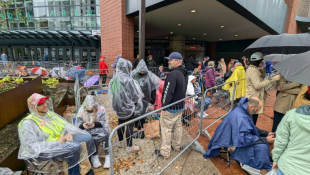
[
  {"x": 53, "y": 54},
  {"x": 60, "y": 54},
  {"x": 2, "y": 14},
  {"x": 84, "y": 2},
  {"x": 25, "y": 53},
  {"x": 38, "y": 2},
  {"x": 19, "y": 3},
  {"x": 68, "y": 54},
  {"x": 77, "y": 55},
  {"x": 32, "y": 54},
  {"x": 10, "y": 13},
  {"x": 39, "y": 54},
  {"x": 93, "y": 55},
  {"x": 60, "y": 23},
  {"x": 36, "y": 12},
  {"x": 84, "y": 55},
  {"x": 62, "y": 2}
]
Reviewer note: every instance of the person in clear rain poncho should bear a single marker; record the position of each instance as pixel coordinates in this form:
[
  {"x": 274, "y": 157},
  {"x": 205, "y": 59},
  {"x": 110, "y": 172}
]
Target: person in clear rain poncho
[
  {"x": 125, "y": 96},
  {"x": 49, "y": 144},
  {"x": 92, "y": 117},
  {"x": 148, "y": 82}
]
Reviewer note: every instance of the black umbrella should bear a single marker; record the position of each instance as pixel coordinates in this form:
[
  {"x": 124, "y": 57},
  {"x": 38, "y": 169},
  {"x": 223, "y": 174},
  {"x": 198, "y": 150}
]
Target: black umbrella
[
  {"x": 277, "y": 57},
  {"x": 296, "y": 68},
  {"x": 281, "y": 44}
]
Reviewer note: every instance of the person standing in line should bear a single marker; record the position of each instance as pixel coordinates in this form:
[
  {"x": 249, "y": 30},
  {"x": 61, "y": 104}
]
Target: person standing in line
[
  {"x": 210, "y": 80},
  {"x": 135, "y": 62},
  {"x": 206, "y": 61},
  {"x": 125, "y": 96},
  {"x": 191, "y": 64},
  {"x": 4, "y": 59},
  {"x": 170, "y": 119},
  {"x": 291, "y": 148},
  {"x": 103, "y": 69},
  {"x": 255, "y": 75},
  {"x": 152, "y": 64},
  {"x": 231, "y": 63},
  {"x": 222, "y": 66},
  {"x": 285, "y": 100}
]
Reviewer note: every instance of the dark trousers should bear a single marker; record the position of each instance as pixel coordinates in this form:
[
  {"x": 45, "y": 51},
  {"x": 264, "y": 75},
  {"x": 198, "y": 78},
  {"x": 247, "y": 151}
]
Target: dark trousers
[
  {"x": 129, "y": 131},
  {"x": 106, "y": 144},
  {"x": 254, "y": 117},
  {"x": 104, "y": 78},
  {"x": 277, "y": 117}
]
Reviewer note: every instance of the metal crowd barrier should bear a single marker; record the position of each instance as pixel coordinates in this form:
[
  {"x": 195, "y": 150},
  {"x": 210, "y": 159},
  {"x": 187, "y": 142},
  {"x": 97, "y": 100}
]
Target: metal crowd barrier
[{"x": 157, "y": 135}]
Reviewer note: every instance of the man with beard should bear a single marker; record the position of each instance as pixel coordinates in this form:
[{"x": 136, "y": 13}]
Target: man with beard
[
  {"x": 174, "y": 90},
  {"x": 237, "y": 129}
]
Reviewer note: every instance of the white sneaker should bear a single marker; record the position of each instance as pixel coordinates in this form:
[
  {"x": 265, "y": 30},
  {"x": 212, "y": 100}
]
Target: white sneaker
[
  {"x": 95, "y": 161},
  {"x": 107, "y": 162},
  {"x": 205, "y": 114}
]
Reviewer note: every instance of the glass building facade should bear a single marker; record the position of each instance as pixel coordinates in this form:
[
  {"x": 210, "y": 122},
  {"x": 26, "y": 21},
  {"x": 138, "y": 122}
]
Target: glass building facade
[{"x": 50, "y": 15}]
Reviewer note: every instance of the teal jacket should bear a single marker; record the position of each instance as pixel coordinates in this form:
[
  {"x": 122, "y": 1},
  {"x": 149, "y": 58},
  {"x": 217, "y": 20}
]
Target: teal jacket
[{"x": 292, "y": 145}]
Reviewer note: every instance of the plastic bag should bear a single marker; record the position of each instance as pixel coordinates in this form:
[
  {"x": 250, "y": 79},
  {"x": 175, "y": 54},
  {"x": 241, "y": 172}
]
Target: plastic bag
[{"x": 272, "y": 172}]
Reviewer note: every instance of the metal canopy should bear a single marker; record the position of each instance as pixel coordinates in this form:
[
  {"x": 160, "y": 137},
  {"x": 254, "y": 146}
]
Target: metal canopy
[{"x": 49, "y": 38}]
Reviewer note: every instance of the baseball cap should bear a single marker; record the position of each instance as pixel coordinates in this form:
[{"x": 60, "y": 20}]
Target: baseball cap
[
  {"x": 174, "y": 55},
  {"x": 42, "y": 100},
  {"x": 150, "y": 56}
]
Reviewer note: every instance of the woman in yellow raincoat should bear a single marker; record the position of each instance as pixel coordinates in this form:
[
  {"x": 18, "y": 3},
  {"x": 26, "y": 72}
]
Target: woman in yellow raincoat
[{"x": 238, "y": 74}]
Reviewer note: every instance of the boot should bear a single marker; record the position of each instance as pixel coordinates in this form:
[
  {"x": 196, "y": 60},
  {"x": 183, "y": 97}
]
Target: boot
[{"x": 95, "y": 161}]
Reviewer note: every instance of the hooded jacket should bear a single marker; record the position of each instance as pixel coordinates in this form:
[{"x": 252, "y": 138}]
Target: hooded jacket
[
  {"x": 237, "y": 129},
  {"x": 148, "y": 82},
  {"x": 300, "y": 100},
  {"x": 175, "y": 88},
  {"x": 210, "y": 78},
  {"x": 238, "y": 74},
  {"x": 152, "y": 64},
  {"x": 291, "y": 149},
  {"x": 125, "y": 94}
]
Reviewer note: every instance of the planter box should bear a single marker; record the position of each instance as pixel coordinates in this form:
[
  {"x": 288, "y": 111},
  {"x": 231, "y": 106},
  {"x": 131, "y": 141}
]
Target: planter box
[{"x": 13, "y": 103}]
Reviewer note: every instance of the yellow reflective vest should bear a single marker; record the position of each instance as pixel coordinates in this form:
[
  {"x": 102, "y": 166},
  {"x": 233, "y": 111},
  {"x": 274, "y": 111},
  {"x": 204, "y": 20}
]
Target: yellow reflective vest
[{"x": 54, "y": 130}]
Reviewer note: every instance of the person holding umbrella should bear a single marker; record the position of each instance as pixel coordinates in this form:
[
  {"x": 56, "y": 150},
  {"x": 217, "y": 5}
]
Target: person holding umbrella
[{"x": 255, "y": 81}]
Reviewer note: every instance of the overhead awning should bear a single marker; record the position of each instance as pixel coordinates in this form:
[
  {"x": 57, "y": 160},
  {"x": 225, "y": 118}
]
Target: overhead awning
[{"x": 49, "y": 38}]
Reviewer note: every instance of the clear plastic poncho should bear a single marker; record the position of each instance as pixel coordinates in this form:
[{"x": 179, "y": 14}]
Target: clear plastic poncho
[
  {"x": 147, "y": 80},
  {"x": 6, "y": 171},
  {"x": 125, "y": 94},
  {"x": 98, "y": 114},
  {"x": 39, "y": 140}
]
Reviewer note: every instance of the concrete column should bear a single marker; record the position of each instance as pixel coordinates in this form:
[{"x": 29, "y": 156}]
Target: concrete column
[{"x": 177, "y": 43}]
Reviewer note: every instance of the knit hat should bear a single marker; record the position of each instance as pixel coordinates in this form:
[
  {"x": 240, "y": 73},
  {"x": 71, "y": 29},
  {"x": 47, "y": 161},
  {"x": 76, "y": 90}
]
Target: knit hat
[{"x": 308, "y": 89}]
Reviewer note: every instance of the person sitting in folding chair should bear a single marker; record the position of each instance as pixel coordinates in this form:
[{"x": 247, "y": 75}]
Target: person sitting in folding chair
[
  {"x": 237, "y": 129},
  {"x": 49, "y": 144},
  {"x": 194, "y": 88},
  {"x": 92, "y": 117}
]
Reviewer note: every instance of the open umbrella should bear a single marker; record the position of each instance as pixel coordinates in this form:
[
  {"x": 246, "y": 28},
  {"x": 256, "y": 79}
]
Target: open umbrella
[
  {"x": 78, "y": 74},
  {"x": 92, "y": 80},
  {"x": 71, "y": 71},
  {"x": 296, "y": 68},
  {"x": 39, "y": 70},
  {"x": 281, "y": 44},
  {"x": 277, "y": 57}
]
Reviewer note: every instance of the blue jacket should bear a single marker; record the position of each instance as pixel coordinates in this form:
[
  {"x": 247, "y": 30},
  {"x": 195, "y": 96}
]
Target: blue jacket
[
  {"x": 269, "y": 66},
  {"x": 45, "y": 58},
  {"x": 238, "y": 129}
]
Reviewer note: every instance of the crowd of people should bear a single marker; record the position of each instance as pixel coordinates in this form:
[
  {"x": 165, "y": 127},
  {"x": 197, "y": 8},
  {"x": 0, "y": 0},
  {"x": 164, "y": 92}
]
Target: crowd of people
[{"x": 44, "y": 135}]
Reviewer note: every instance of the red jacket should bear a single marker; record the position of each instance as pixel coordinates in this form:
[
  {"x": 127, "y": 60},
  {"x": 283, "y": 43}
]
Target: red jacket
[{"x": 103, "y": 68}]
